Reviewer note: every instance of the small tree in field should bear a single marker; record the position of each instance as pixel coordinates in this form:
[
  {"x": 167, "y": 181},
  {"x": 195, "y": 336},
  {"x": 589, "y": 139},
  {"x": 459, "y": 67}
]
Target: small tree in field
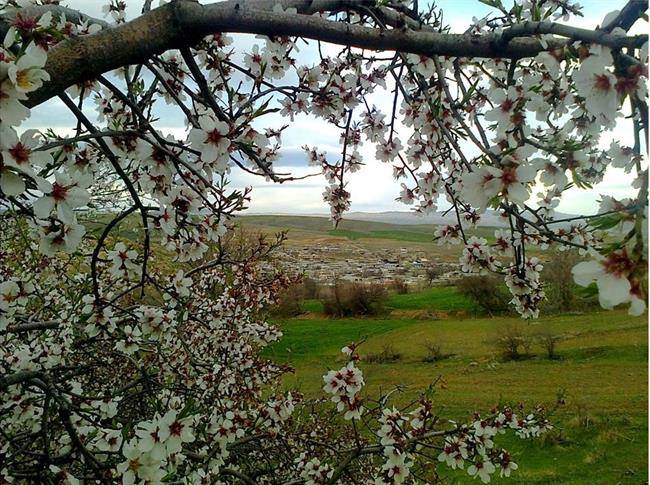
[
  {"x": 433, "y": 273},
  {"x": 132, "y": 323}
]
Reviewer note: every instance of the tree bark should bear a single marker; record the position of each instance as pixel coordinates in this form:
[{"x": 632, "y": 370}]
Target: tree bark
[{"x": 183, "y": 23}]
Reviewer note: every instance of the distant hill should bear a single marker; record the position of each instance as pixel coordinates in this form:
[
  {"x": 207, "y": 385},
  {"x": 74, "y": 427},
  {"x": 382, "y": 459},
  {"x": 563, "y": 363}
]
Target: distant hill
[
  {"x": 489, "y": 219},
  {"x": 351, "y": 228}
]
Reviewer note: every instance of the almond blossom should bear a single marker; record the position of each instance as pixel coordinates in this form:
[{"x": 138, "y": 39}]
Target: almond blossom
[
  {"x": 13, "y": 111},
  {"x": 27, "y": 74},
  {"x": 504, "y": 112},
  {"x": 20, "y": 153},
  {"x": 611, "y": 275},
  {"x": 596, "y": 83},
  {"x": 62, "y": 195},
  {"x": 512, "y": 182},
  {"x": 211, "y": 139},
  {"x": 482, "y": 468},
  {"x": 133, "y": 329}
]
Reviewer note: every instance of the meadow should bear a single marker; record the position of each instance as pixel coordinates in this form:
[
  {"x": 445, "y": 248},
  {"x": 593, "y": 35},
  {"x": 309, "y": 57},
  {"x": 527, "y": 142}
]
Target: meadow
[
  {"x": 600, "y": 370},
  {"x": 351, "y": 229}
]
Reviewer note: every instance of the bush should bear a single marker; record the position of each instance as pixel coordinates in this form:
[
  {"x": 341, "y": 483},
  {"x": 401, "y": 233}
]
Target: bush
[
  {"x": 488, "y": 292},
  {"x": 400, "y": 286},
  {"x": 311, "y": 288},
  {"x": 433, "y": 351},
  {"x": 355, "y": 299},
  {"x": 386, "y": 355},
  {"x": 561, "y": 291},
  {"x": 290, "y": 302},
  {"x": 512, "y": 342},
  {"x": 549, "y": 341}
]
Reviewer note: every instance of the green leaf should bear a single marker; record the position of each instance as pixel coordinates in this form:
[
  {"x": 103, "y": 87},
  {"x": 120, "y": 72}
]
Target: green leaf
[{"x": 605, "y": 222}]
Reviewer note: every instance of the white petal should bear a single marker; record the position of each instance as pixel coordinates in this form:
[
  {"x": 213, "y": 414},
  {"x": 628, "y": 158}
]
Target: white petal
[
  {"x": 65, "y": 213},
  {"x": 637, "y": 306},
  {"x": 612, "y": 290},
  {"x": 518, "y": 193},
  {"x": 43, "y": 206},
  {"x": 586, "y": 272},
  {"x": 526, "y": 173},
  {"x": 11, "y": 184}
]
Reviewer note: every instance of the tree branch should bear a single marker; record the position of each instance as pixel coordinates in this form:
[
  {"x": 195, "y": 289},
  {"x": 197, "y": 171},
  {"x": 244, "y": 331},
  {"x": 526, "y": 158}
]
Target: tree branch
[
  {"x": 182, "y": 24},
  {"x": 627, "y": 16}
]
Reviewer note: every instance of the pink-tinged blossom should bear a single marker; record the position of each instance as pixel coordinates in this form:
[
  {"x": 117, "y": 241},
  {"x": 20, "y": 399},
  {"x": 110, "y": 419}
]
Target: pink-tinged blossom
[
  {"x": 505, "y": 108},
  {"x": 63, "y": 195},
  {"x": 423, "y": 65},
  {"x": 482, "y": 469},
  {"x": 512, "y": 182},
  {"x": 21, "y": 153},
  {"x": 388, "y": 151},
  {"x": 27, "y": 74},
  {"x": 123, "y": 261},
  {"x": 611, "y": 275},
  {"x": 211, "y": 139},
  {"x": 596, "y": 83}
]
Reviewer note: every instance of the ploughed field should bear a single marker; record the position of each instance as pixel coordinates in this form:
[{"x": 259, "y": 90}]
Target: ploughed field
[{"x": 600, "y": 433}]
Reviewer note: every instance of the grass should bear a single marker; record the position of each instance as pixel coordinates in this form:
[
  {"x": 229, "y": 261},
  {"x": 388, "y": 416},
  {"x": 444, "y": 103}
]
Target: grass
[
  {"x": 353, "y": 230},
  {"x": 601, "y": 431},
  {"x": 396, "y": 235},
  {"x": 442, "y": 299}
]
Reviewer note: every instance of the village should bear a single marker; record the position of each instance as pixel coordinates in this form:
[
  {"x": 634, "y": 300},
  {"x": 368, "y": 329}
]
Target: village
[{"x": 357, "y": 263}]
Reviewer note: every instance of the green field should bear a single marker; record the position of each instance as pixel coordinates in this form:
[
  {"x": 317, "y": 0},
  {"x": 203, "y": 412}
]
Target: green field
[
  {"x": 353, "y": 230},
  {"x": 601, "y": 431}
]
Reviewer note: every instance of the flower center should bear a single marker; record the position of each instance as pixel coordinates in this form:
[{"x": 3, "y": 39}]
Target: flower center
[
  {"x": 602, "y": 83},
  {"x": 22, "y": 79},
  {"x": 20, "y": 153},
  {"x": 214, "y": 137},
  {"x": 509, "y": 176},
  {"x": 176, "y": 428},
  {"x": 59, "y": 192},
  {"x": 507, "y": 105},
  {"x": 619, "y": 264}
]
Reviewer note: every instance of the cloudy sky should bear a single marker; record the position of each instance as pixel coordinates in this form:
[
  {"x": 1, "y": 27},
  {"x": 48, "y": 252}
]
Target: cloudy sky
[{"x": 372, "y": 188}]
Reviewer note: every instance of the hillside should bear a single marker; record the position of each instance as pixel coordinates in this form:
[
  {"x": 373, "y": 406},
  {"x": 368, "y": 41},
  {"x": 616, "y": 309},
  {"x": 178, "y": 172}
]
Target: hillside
[
  {"x": 490, "y": 218},
  {"x": 349, "y": 228}
]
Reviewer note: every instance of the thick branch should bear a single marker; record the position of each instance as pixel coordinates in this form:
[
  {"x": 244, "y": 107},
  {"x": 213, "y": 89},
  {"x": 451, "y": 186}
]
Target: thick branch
[
  {"x": 17, "y": 378},
  {"x": 592, "y": 36},
  {"x": 627, "y": 16},
  {"x": 183, "y": 24}
]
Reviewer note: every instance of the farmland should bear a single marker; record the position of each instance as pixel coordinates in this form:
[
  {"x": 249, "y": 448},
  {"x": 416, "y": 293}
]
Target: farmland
[
  {"x": 301, "y": 227},
  {"x": 600, "y": 369}
]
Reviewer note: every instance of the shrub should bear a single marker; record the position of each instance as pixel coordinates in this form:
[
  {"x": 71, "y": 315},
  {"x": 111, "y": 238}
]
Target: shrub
[
  {"x": 512, "y": 342},
  {"x": 549, "y": 342},
  {"x": 561, "y": 291},
  {"x": 290, "y": 302},
  {"x": 433, "y": 273},
  {"x": 355, "y": 299},
  {"x": 400, "y": 286},
  {"x": 311, "y": 288},
  {"x": 386, "y": 355},
  {"x": 487, "y": 292},
  {"x": 433, "y": 351}
]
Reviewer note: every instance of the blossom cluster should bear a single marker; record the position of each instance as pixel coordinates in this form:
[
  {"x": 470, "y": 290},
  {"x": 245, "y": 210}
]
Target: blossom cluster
[{"x": 132, "y": 316}]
